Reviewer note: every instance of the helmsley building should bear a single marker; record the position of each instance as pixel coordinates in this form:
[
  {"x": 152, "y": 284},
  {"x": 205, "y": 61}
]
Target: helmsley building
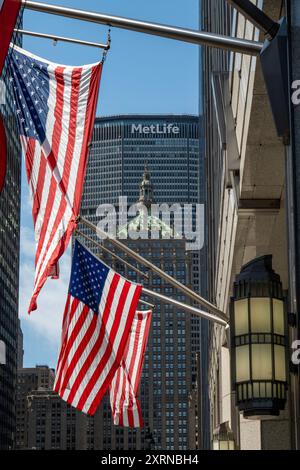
[{"x": 253, "y": 242}]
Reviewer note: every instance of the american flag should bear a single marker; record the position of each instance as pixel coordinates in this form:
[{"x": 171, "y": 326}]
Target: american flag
[
  {"x": 55, "y": 107},
  {"x": 125, "y": 406},
  {"x": 98, "y": 317}
]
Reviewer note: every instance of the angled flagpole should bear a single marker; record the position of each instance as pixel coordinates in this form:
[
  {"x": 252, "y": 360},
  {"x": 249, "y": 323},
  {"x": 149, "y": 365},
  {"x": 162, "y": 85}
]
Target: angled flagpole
[
  {"x": 162, "y": 298},
  {"x": 171, "y": 280},
  {"x": 171, "y": 32},
  {"x": 56, "y": 38},
  {"x": 188, "y": 308},
  {"x": 106, "y": 250}
]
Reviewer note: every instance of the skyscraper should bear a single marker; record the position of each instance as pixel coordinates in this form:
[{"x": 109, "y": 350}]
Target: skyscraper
[
  {"x": 171, "y": 354},
  {"x": 246, "y": 179},
  {"x": 9, "y": 267},
  {"x": 172, "y": 147},
  {"x": 29, "y": 380}
]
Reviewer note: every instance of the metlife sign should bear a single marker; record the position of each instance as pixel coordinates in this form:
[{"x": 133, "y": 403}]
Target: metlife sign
[{"x": 158, "y": 129}]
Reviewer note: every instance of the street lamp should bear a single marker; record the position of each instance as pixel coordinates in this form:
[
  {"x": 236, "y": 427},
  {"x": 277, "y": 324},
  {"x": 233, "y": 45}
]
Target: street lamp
[
  {"x": 223, "y": 438},
  {"x": 259, "y": 340}
]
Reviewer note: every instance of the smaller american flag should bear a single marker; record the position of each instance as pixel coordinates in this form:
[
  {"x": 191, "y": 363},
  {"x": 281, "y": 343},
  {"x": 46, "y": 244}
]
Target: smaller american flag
[
  {"x": 98, "y": 318},
  {"x": 125, "y": 406}
]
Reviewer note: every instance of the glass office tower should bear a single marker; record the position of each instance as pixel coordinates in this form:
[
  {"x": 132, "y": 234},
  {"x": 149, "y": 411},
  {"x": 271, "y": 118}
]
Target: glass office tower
[{"x": 9, "y": 267}]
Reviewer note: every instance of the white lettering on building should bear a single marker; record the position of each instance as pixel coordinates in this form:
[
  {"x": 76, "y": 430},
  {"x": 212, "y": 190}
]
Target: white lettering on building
[{"x": 160, "y": 129}]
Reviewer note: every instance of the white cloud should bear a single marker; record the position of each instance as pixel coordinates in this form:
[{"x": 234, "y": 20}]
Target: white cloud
[
  {"x": 46, "y": 320},
  {"x": 27, "y": 242}
]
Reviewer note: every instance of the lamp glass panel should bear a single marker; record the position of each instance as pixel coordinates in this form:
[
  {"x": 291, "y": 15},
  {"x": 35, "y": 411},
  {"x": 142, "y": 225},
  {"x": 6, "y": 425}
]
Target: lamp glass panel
[
  {"x": 280, "y": 363},
  {"x": 242, "y": 364},
  {"x": 256, "y": 390},
  {"x": 241, "y": 317},
  {"x": 262, "y": 362},
  {"x": 260, "y": 312},
  {"x": 278, "y": 316},
  {"x": 231, "y": 445},
  {"x": 216, "y": 445},
  {"x": 224, "y": 445}
]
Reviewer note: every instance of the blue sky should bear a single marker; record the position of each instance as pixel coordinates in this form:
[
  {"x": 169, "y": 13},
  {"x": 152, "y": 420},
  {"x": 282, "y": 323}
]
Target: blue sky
[{"x": 143, "y": 74}]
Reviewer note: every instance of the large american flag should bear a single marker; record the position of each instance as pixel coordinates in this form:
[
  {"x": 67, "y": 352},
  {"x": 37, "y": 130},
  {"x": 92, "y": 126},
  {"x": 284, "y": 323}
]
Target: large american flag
[
  {"x": 55, "y": 107},
  {"x": 125, "y": 406},
  {"x": 98, "y": 317}
]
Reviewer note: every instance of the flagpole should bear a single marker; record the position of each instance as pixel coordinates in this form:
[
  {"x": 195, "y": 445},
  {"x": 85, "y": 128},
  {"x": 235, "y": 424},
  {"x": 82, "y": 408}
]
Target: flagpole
[
  {"x": 171, "y": 280},
  {"x": 62, "y": 39},
  {"x": 243, "y": 46},
  {"x": 188, "y": 308},
  {"x": 103, "y": 248},
  {"x": 162, "y": 298}
]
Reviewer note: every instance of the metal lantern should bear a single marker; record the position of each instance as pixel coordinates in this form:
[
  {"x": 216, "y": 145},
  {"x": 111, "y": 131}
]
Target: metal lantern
[
  {"x": 259, "y": 340},
  {"x": 223, "y": 438}
]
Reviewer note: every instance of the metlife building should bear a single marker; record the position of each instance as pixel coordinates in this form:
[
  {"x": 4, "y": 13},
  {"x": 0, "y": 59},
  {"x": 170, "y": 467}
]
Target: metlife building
[{"x": 121, "y": 147}]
